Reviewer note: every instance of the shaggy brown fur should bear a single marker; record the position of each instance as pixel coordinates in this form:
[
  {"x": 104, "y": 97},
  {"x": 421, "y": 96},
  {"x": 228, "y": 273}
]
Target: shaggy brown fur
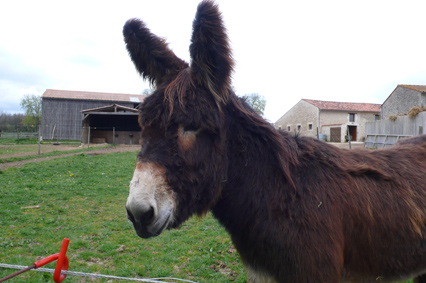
[{"x": 297, "y": 209}]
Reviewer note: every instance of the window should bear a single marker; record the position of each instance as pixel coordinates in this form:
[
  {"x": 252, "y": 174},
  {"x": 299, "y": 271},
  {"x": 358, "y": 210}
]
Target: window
[
  {"x": 279, "y": 127},
  {"x": 310, "y": 126},
  {"x": 376, "y": 117},
  {"x": 299, "y": 127},
  {"x": 351, "y": 117},
  {"x": 288, "y": 128}
]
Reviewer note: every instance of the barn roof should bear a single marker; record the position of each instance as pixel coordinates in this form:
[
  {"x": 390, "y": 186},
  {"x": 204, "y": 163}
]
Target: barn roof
[
  {"x": 86, "y": 95},
  {"x": 344, "y": 106}
]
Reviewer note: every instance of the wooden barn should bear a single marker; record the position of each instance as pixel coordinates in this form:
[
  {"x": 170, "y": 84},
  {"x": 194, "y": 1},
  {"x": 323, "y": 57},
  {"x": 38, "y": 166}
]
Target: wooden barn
[{"x": 110, "y": 117}]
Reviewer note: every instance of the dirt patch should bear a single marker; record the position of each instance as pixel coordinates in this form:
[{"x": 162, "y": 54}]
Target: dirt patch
[{"x": 17, "y": 164}]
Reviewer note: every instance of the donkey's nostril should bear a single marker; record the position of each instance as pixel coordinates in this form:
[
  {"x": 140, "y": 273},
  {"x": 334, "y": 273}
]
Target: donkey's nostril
[
  {"x": 141, "y": 215},
  {"x": 147, "y": 216}
]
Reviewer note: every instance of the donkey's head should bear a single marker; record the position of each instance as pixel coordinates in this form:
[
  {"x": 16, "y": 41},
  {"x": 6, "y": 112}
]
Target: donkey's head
[{"x": 182, "y": 163}]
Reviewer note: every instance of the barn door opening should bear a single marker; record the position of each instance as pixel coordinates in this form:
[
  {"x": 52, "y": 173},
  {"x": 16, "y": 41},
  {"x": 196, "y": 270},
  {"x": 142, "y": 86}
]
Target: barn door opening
[{"x": 335, "y": 134}]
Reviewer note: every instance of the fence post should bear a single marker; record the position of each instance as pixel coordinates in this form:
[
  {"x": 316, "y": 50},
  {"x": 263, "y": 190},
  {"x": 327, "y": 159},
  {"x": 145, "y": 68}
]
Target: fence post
[
  {"x": 113, "y": 135},
  {"x": 39, "y": 138},
  {"x": 88, "y": 138},
  {"x": 349, "y": 137}
]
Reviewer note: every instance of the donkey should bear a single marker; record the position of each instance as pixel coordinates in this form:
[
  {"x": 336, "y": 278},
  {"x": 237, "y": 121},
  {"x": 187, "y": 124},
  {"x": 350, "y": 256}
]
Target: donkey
[{"x": 297, "y": 209}]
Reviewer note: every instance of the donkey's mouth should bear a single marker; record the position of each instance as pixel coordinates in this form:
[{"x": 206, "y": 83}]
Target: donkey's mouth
[{"x": 155, "y": 228}]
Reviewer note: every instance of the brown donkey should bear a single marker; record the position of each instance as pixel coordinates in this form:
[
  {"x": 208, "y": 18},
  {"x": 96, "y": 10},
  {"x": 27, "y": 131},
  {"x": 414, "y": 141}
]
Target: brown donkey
[{"x": 297, "y": 209}]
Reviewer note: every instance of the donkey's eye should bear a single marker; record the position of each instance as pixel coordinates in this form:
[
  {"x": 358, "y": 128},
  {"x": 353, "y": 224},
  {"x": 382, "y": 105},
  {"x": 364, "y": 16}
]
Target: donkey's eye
[
  {"x": 190, "y": 128},
  {"x": 187, "y": 136}
]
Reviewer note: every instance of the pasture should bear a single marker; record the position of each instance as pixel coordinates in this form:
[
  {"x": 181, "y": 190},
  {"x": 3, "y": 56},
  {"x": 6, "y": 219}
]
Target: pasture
[
  {"x": 12, "y": 150},
  {"x": 83, "y": 198}
]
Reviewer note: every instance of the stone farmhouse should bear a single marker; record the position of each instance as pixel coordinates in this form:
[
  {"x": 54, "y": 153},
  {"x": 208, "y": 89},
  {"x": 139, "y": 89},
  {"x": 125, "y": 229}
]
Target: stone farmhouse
[{"x": 332, "y": 121}]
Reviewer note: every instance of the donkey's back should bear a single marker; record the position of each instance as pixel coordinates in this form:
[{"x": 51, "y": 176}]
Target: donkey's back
[{"x": 382, "y": 212}]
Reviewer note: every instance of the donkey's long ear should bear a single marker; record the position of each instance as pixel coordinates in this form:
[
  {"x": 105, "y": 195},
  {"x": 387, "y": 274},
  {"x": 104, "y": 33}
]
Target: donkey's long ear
[
  {"x": 212, "y": 62},
  {"x": 152, "y": 57}
]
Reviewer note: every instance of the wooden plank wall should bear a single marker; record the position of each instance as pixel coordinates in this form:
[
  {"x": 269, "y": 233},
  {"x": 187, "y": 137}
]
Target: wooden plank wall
[{"x": 62, "y": 118}]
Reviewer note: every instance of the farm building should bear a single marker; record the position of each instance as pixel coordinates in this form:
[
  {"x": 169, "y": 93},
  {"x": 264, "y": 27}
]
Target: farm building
[
  {"x": 68, "y": 115},
  {"x": 402, "y": 99},
  {"x": 332, "y": 120},
  {"x": 403, "y": 115}
]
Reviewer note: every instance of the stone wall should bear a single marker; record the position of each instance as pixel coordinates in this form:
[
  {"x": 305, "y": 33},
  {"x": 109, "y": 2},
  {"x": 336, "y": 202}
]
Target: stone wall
[
  {"x": 401, "y": 101},
  {"x": 303, "y": 116}
]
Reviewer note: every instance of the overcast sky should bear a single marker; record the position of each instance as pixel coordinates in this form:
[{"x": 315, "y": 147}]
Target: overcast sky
[{"x": 350, "y": 51}]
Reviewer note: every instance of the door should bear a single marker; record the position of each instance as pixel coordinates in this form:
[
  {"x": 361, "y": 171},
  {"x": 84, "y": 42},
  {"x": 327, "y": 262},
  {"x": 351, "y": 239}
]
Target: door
[
  {"x": 352, "y": 132},
  {"x": 335, "y": 134}
]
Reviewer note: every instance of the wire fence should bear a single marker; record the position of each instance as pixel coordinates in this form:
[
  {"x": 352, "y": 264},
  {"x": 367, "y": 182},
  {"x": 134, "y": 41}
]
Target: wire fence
[
  {"x": 53, "y": 131},
  {"x": 57, "y": 134},
  {"x": 102, "y": 276},
  {"x": 20, "y": 134}
]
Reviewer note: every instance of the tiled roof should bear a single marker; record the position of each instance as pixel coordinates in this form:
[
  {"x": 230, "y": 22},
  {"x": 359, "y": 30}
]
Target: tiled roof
[
  {"x": 344, "y": 106},
  {"x": 86, "y": 95},
  {"x": 421, "y": 88}
]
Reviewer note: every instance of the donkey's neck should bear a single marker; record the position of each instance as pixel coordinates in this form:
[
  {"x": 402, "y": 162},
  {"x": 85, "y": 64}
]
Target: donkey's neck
[{"x": 256, "y": 185}]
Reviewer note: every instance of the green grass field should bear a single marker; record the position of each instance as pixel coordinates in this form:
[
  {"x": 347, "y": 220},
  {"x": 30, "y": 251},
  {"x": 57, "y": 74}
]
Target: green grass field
[{"x": 82, "y": 198}]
